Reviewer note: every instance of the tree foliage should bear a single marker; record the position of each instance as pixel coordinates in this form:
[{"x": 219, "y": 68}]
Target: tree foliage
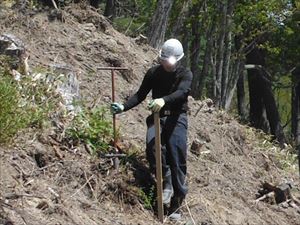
[{"x": 217, "y": 37}]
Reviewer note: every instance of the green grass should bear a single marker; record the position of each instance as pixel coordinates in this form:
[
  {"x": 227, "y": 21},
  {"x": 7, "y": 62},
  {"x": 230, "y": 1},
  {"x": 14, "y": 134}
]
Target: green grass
[
  {"x": 131, "y": 26},
  {"x": 24, "y": 103},
  {"x": 92, "y": 127},
  {"x": 11, "y": 118},
  {"x": 286, "y": 159},
  {"x": 147, "y": 198}
]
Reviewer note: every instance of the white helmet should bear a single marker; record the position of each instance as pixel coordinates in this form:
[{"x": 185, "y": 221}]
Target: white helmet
[{"x": 172, "y": 51}]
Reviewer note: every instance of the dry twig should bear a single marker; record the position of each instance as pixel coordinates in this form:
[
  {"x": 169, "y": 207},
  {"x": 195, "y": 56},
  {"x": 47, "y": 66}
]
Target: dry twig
[
  {"x": 79, "y": 189},
  {"x": 188, "y": 208}
]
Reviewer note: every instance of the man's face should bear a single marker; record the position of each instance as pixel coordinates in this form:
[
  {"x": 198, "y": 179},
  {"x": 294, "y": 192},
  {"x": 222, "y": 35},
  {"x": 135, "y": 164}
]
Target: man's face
[{"x": 168, "y": 65}]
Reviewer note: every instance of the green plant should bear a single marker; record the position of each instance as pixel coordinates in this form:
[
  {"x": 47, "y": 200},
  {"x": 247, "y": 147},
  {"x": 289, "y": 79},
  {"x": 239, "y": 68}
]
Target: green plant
[
  {"x": 128, "y": 25},
  {"x": 18, "y": 111},
  {"x": 23, "y": 103},
  {"x": 147, "y": 198},
  {"x": 10, "y": 119},
  {"x": 92, "y": 127},
  {"x": 287, "y": 159},
  {"x": 132, "y": 156}
]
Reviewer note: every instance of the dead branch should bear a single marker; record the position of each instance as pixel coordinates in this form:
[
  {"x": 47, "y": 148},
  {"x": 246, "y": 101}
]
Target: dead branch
[
  {"x": 89, "y": 184},
  {"x": 188, "y": 208},
  {"x": 268, "y": 195},
  {"x": 16, "y": 196},
  {"x": 19, "y": 169}
]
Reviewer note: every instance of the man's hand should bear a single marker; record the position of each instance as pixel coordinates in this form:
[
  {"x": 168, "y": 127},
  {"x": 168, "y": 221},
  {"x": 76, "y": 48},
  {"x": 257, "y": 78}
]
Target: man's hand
[
  {"x": 116, "y": 108},
  {"x": 156, "y": 104}
]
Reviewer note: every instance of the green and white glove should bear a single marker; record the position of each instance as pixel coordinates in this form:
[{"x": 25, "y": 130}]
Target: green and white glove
[
  {"x": 116, "y": 108},
  {"x": 156, "y": 104}
]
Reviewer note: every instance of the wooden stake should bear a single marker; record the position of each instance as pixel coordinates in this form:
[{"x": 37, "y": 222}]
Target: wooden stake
[{"x": 159, "y": 181}]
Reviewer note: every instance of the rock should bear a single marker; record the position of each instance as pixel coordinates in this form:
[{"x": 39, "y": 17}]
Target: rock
[
  {"x": 68, "y": 87},
  {"x": 16, "y": 75},
  {"x": 197, "y": 146},
  {"x": 11, "y": 45},
  {"x": 42, "y": 205},
  {"x": 56, "y": 14},
  {"x": 41, "y": 159},
  {"x": 114, "y": 61},
  {"x": 209, "y": 102}
]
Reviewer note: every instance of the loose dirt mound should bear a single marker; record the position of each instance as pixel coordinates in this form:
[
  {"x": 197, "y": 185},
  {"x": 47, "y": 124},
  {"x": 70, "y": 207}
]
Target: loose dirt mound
[{"x": 44, "y": 182}]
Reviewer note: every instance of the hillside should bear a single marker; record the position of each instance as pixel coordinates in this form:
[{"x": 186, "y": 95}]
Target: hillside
[{"x": 227, "y": 161}]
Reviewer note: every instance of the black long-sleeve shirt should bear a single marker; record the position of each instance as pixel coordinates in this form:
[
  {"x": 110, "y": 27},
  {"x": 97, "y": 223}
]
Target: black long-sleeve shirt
[{"x": 173, "y": 87}]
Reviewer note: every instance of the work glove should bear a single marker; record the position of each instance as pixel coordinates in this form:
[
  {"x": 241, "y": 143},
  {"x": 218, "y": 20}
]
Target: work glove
[
  {"x": 116, "y": 108},
  {"x": 156, "y": 104}
]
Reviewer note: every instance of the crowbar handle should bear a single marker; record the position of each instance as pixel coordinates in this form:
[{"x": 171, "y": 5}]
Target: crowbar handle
[{"x": 112, "y": 69}]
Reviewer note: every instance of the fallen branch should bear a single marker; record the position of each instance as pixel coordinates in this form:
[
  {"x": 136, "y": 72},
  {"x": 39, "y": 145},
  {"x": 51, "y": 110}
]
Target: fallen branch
[
  {"x": 279, "y": 194},
  {"x": 90, "y": 186},
  {"x": 293, "y": 205},
  {"x": 268, "y": 195},
  {"x": 19, "y": 169},
  {"x": 15, "y": 196},
  {"x": 188, "y": 208}
]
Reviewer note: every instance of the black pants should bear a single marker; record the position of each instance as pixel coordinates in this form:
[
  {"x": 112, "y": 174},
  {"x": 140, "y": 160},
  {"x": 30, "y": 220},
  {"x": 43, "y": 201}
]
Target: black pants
[{"x": 173, "y": 147}]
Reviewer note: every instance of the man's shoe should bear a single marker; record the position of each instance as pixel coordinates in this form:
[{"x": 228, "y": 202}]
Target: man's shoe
[
  {"x": 175, "y": 208},
  {"x": 175, "y": 216},
  {"x": 167, "y": 195}
]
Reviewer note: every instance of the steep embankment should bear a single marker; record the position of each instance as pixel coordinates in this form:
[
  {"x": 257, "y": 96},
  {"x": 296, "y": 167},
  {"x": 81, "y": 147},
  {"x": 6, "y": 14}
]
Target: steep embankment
[{"x": 43, "y": 182}]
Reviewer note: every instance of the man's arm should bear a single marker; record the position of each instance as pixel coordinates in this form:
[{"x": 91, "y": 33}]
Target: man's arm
[
  {"x": 182, "y": 90},
  {"x": 141, "y": 94}
]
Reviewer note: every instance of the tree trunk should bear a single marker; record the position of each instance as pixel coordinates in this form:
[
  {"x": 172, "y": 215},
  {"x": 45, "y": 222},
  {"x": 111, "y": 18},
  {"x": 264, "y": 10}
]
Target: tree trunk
[
  {"x": 159, "y": 23},
  {"x": 241, "y": 100},
  {"x": 296, "y": 110},
  {"x": 227, "y": 54},
  {"x": 110, "y": 8},
  {"x": 261, "y": 96},
  {"x": 195, "y": 52},
  {"x": 95, "y": 3},
  {"x": 256, "y": 114},
  {"x": 179, "y": 25},
  {"x": 272, "y": 112},
  {"x": 185, "y": 44},
  {"x": 212, "y": 84},
  {"x": 237, "y": 69},
  {"x": 220, "y": 53},
  {"x": 207, "y": 56}
]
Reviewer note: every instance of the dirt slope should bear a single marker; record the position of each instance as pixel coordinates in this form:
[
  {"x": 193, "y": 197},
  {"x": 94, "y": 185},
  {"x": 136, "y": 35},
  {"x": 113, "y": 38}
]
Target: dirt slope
[{"x": 42, "y": 182}]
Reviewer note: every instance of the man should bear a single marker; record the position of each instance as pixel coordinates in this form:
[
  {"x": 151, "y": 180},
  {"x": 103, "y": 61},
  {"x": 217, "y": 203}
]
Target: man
[{"x": 170, "y": 84}]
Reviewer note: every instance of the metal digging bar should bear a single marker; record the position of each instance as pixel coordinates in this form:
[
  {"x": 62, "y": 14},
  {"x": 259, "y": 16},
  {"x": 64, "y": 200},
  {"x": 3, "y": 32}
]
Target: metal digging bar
[{"x": 116, "y": 155}]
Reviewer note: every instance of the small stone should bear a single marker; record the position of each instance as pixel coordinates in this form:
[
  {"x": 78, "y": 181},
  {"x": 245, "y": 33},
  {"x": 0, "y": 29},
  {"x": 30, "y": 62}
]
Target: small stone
[{"x": 197, "y": 146}]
